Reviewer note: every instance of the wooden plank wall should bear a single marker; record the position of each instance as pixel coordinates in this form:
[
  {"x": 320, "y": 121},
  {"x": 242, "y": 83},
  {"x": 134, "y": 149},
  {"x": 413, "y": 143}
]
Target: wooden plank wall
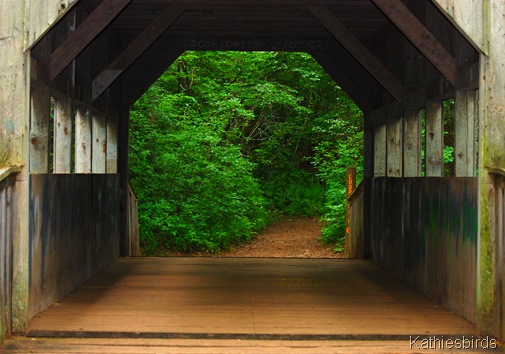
[
  {"x": 74, "y": 233},
  {"x": 425, "y": 232},
  {"x": 6, "y": 235},
  {"x": 356, "y": 238},
  {"x": 133, "y": 224}
]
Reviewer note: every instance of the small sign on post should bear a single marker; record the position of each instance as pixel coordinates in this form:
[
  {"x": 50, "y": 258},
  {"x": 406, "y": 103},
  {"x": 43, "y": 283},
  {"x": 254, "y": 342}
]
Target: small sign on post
[{"x": 350, "y": 183}]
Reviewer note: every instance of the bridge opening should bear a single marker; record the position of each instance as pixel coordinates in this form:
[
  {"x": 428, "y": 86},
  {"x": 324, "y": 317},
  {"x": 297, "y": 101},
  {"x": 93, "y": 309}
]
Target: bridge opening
[{"x": 226, "y": 142}]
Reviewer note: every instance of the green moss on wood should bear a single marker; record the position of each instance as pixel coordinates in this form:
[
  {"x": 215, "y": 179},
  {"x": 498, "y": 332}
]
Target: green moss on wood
[{"x": 485, "y": 276}]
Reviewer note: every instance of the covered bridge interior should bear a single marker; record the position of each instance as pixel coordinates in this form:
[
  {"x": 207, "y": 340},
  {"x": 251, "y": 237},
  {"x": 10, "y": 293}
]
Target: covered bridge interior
[{"x": 73, "y": 69}]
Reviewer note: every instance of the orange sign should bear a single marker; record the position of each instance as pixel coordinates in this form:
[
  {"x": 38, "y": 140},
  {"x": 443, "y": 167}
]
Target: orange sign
[
  {"x": 350, "y": 186},
  {"x": 350, "y": 182}
]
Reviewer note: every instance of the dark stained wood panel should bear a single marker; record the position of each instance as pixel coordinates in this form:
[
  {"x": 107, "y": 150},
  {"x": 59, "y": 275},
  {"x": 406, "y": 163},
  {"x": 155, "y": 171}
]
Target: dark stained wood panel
[
  {"x": 6, "y": 253},
  {"x": 424, "y": 230},
  {"x": 250, "y": 19},
  {"x": 357, "y": 232},
  {"x": 74, "y": 232}
]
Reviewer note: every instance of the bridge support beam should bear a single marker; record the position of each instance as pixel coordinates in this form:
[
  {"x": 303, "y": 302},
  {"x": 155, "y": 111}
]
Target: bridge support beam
[
  {"x": 82, "y": 140},
  {"x": 99, "y": 147},
  {"x": 412, "y": 144},
  {"x": 486, "y": 31},
  {"x": 465, "y": 133},
  {"x": 380, "y": 151},
  {"x": 112, "y": 145},
  {"x": 434, "y": 139},
  {"x": 40, "y": 112},
  {"x": 397, "y": 146},
  {"x": 14, "y": 120},
  {"x": 394, "y": 135},
  {"x": 63, "y": 135},
  {"x": 491, "y": 259}
]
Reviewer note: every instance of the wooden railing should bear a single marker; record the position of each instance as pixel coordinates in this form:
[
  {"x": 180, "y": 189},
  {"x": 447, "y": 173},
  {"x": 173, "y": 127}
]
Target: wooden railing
[
  {"x": 6, "y": 236},
  {"x": 356, "y": 234},
  {"x": 133, "y": 223},
  {"x": 425, "y": 231}
]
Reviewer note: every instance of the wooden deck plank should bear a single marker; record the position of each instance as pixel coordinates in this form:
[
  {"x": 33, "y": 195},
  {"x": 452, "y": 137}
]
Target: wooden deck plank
[
  {"x": 247, "y": 296},
  {"x": 173, "y": 346}
]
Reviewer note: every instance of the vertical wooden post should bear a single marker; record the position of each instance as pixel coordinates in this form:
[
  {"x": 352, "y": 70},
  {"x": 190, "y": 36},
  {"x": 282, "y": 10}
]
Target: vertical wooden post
[
  {"x": 62, "y": 154},
  {"x": 99, "y": 149},
  {"x": 368, "y": 145},
  {"x": 83, "y": 144},
  {"x": 412, "y": 144},
  {"x": 112, "y": 141},
  {"x": 380, "y": 151},
  {"x": 465, "y": 139},
  {"x": 40, "y": 111},
  {"x": 434, "y": 139},
  {"x": 125, "y": 206},
  {"x": 490, "y": 258},
  {"x": 15, "y": 147},
  {"x": 350, "y": 184},
  {"x": 394, "y": 147}
]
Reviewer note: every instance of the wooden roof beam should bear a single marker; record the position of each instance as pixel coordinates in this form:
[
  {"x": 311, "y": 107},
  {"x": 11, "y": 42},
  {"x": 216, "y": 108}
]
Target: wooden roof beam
[
  {"x": 136, "y": 79},
  {"x": 358, "y": 50},
  {"x": 420, "y": 36},
  {"x": 79, "y": 39},
  {"x": 139, "y": 45},
  {"x": 351, "y": 87}
]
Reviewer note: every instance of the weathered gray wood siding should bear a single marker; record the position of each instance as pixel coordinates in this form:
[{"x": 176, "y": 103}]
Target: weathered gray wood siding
[
  {"x": 6, "y": 236},
  {"x": 356, "y": 239},
  {"x": 424, "y": 230},
  {"x": 74, "y": 232},
  {"x": 133, "y": 224}
]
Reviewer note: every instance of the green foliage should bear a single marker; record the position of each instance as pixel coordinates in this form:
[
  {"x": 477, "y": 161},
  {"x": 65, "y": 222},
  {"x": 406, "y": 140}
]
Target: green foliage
[
  {"x": 196, "y": 192},
  {"x": 333, "y": 156},
  {"x": 448, "y": 112},
  {"x": 303, "y": 197},
  {"x": 222, "y": 137}
]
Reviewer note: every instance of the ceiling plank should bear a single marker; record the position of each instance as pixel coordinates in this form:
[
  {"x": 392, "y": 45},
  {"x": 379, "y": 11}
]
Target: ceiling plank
[
  {"x": 139, "y": 45},
  {"x": 79, "y": 39},
  {"x": 420, "y": 36},
  {"x": 359, "y": 51}
]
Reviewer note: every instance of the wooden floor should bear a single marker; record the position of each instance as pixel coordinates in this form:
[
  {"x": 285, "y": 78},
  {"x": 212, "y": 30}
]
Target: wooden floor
[
  {"x": 252, "y": 301},
  {"x": 216, "y": 346}
]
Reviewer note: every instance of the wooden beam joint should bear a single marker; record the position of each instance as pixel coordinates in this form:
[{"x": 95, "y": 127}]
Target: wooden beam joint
[
  {"x": 139, "y": 45},
  {"x": 358, "y": 51},
  {"x": 79, "y": 39},
  {"x": 420, "y": 36}
]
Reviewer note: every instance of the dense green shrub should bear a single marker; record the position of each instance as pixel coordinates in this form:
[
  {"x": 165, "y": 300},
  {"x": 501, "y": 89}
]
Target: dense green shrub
[
  {"x": 196, "y": 192},
  {"x": 222, "y": 138},
  {"x": 332, "y": 158}
]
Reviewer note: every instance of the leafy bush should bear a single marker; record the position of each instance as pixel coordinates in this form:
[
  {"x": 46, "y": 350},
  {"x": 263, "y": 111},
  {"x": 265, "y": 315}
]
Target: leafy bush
[
  {"x": 196, "y": 192},
  {"x": 303, "y": 197},
  {"x": 332, "y": 158}
]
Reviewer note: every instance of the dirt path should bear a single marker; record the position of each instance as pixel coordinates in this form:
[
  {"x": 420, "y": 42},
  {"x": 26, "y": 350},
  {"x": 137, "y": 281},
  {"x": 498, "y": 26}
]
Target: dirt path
[{"x": 297, "y": 238}]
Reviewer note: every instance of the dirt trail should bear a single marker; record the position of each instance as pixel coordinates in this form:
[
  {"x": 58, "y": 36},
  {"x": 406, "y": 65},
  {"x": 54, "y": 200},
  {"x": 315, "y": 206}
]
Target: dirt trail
[{"x": 287, "y": 238}]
